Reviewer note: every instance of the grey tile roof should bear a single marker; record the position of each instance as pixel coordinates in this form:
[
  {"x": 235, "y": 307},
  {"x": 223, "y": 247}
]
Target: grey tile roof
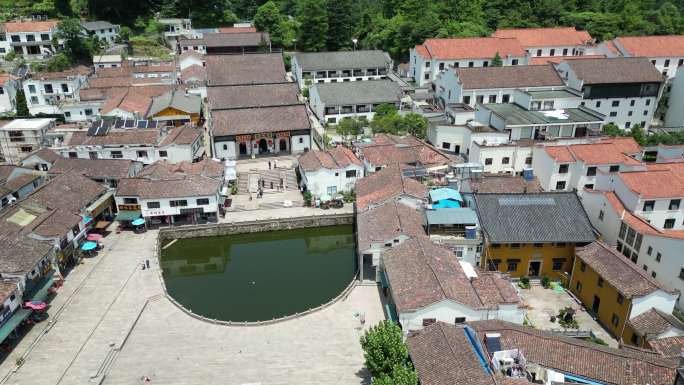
[
  {"x": 343, "y": 60},
  {"x": 615, "y": 70},
  {"x": 542, "y": 217},
  {"x": 653, "y": 322},
  {"x": 509, "y": 77},
  {"x": 190, "y": 104},
  {"x": 232, "y": 70},
  {"x": 265, "y": 95},
  {"x": 95, "y": 25},
  {"x": 361, "y": 92},
  {"x": 242, "y": 39},
  {"x": 94, "y": 168},
  {"x": 256, "y": 120},
  {"x": 448, "y": 216}
]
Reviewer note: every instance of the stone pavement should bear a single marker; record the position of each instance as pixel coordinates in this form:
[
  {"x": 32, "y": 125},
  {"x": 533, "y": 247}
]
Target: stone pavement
[
  {"x": 282, "y": 213},
  {"x": 542, "y": 303},
  {"x": 109, "y": 324}
]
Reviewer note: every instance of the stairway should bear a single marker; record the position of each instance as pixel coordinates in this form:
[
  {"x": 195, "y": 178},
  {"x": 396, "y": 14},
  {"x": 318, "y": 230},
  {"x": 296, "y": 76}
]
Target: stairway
[{"x": 247, "y": 181}]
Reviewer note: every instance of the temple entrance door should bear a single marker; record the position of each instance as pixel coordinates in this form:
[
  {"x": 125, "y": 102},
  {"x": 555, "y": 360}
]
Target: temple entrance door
[
  {"x": 263, "y": 146},
  {"x": 243, "y": 148},
  {"x": 283, "y": 145}
]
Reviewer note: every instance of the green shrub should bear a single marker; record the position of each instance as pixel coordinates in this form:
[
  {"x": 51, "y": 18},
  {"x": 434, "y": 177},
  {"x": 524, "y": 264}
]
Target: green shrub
[
  {"x": 524, "y": 283},
  {"x": 546, "y": 282},
  {"x": 307, "y": 198}
]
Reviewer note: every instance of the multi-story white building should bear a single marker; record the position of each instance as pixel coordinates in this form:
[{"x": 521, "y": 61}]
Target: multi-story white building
[
  {"x": 548, "y": 42},
  {"x": 576, "y": 166},
  {"x": 105, "y": 31},
  {"x": 484, "y": 85},
  {"x": 331, "y": 67},
  {"x": 641, "y": 214},
  {"x": 20, "y": 137},
  {"x": 665, "y": 52},
  {"x": 435, "y": 55},
  {"x": 46, "y": 91},
  {"x": 107, "y": 61},
  {"x": 177, "y": 199},
  {"x": 175, "y": 29},
  {"x": 625, "y": 90},
  {"x": 332, "y": 102},
  {"x": 174, "y": 145},
  {"x": 8, "y": 93},
  {"x": 329, "y": 172},
  {"x": 32, "y": 37}
]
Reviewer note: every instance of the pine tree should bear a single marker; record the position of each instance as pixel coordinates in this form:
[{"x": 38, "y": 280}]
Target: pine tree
[
  {"x": 496, "y": 60},
  {"x": 22, "y": 107},
  {"x": 313, "y": 20},
  {"x": 340, "y": 24}
]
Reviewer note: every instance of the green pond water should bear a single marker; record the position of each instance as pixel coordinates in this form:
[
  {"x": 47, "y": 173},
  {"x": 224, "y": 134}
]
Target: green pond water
[{"x": 256, "y": 277}]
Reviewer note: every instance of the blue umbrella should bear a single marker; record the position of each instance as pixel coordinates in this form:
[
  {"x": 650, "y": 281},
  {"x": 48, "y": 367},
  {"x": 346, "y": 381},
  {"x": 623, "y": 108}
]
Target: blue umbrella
[
  {"x": 138, "y": 222},
  {"x": 89, "y": 246}
]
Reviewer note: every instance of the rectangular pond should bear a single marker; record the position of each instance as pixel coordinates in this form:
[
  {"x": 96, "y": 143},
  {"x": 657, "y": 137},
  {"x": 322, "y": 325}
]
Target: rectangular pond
[{"x": 260, "y": 276}]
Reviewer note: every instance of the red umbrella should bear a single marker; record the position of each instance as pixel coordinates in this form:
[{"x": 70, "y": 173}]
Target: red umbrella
[{"x": 94, "y": 237}]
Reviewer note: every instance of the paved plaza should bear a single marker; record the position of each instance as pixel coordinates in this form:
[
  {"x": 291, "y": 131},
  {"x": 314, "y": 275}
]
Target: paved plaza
[
  {"x": 543, "y": 303},
  {"x": 111, "y": 324}
]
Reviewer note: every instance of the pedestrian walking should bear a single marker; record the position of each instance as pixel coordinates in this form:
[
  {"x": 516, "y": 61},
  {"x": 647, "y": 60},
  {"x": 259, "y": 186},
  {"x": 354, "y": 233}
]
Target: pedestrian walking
[
  {"x": 269, "y": 164},
  {"x": 275, "y": 163},
  {"x": 271, "y": 185},
  {"x": 147, "y": 263}
]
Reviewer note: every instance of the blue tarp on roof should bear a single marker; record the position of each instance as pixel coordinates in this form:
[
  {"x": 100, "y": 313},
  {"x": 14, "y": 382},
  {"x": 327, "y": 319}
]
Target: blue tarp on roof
[
  {"x": 439, "y": 194},
  {"x": 446, "y": 204}
]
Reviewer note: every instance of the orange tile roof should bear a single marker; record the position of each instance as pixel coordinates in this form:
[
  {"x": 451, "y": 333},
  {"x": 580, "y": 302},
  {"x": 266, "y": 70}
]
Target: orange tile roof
[
  {"x": 607, "y": 151},
  {"x": 540, "y": 60},
  {"x": 652, "y": 46},
  {"x": 654, "y": 184},
  {"x": 237, "y": 29},
  {"x": 30, "y": 26},
  {"x": 471, "y": 48},
  {"x": 545, "y": 37}
]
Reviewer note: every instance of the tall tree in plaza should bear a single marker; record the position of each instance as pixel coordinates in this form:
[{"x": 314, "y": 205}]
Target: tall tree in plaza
[
  {"x": 313, "y": 20},
  {"x": 22, "y": 106},
  {"x": 340, "y": 24},
  {"x": 384, "y": 348}
]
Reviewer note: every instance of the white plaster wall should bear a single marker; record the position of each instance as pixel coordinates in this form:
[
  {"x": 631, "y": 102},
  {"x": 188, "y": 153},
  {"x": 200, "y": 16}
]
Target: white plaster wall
[{"x": 659, "y": 300}]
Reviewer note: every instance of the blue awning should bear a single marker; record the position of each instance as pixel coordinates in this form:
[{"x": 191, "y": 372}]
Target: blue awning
[
  {"x": 439, "y": 194},
  {"x": 446, "y": 204},
  {"x": 13, "y": 322},
  {"x": 383, "y": 279},
  {"x": 391, "y": 311}
]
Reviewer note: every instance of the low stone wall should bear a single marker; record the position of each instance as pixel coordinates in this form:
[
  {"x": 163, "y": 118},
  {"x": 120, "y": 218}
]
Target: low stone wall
[
  {"x": 218, "y": 229},
  {"x": 252, "y": 227}
]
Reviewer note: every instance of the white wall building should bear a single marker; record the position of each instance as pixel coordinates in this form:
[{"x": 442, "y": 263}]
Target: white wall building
[
  {"x": 427, "y": 284},
  {"x": 45, "y": 92},
  {"x": 472, "y": 86},
  {"x": 332, "y": 102},
  {"x": 625, "y": 90},
  {"x": 8, "y": 93},
  {"x": 343, "y": 66},
  {"x": 330, "y": 172},
  {"x": 643, "y": 220},
  {"x": 107, "y": 61},
  {"x": 435, "y": 55},
  {"x": 105, "y": 31},
  {"x": 576, "y": 166},
  {"x": 20, "y": 137},
  {"x": 32, "y": 38},
  {"x": 675, "y": 114},
  {"x": 666, "y": 52}
]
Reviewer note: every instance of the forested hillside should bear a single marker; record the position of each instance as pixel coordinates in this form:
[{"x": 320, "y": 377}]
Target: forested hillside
[{"x": 392, "y": 25}]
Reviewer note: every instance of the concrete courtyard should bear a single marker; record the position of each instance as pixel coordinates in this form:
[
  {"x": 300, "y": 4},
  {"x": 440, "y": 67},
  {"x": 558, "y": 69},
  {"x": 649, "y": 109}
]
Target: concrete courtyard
[
  {"x": 111, "y": 324},
  {"x": 543, "y": 303}
]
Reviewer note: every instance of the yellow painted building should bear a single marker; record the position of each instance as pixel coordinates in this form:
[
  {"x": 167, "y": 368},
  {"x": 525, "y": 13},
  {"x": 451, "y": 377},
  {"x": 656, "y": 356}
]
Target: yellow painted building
[
  {"x": 176, "y": 107},
  {"x": 616, "y": 290},
  {"x": 553, "y": 260},
  {"x": 532, "y": 235}
]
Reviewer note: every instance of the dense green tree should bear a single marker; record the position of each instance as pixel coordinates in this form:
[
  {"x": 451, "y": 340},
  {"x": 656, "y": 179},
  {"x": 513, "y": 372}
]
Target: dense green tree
[
  {"x": 384, "y": 348},
  {"x": 340, "y": 24},
  {"x": 415, "y": 124},
  {"x": 496, "y": 60},
  {"x": 350, "y": 127},
  {"x": 401, "y": 375},
  {"x": 269, "y": 19},
  {"x": 22, "y": 106},
  {"x": 75, "y": 45},
  {"x": 313, "y": 21}
]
